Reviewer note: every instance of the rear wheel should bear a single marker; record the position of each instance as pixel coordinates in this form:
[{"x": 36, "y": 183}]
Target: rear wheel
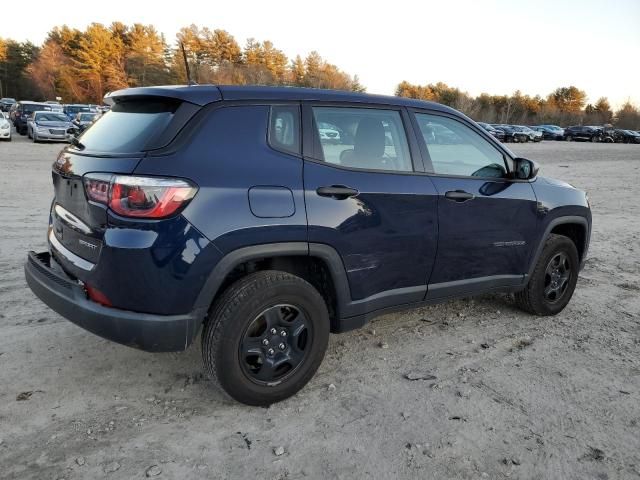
[
  {"x": 553, "y": 280},
  {"x": 569, "y": 138},
  {"x": 265, "y": 337}
]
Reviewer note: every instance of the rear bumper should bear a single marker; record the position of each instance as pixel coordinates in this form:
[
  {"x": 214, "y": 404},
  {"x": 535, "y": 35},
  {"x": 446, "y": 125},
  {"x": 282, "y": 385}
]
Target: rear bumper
[{"x": 66, "y": 296}]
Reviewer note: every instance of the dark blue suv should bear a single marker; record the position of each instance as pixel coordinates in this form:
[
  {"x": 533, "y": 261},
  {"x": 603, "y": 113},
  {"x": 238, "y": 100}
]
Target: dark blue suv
[{"x": 273, "y": 216}]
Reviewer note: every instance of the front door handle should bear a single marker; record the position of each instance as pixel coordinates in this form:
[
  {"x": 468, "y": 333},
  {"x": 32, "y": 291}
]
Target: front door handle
[
  {"x": 458, "y": 196},
  {"x": 339, "y": 192}
]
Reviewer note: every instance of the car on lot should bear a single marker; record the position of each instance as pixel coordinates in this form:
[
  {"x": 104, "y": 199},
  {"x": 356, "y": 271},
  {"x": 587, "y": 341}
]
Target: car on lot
[
  {"x": 220, "y": 209},
  {"x": 328, "y": 133},
  {"x": 72, "y": 110},
  {"x": 83, "y": 119},
  {"x": 21, "y": 111},
  {"x": 499, "y": 134},
  {"x": 591, "y": 134},
  {"x": 510, "y": 133},
  {"x": 550, "y": 132},
  {"x": 5, "y": 127},
  {"x": 531, "y": 135},
  {"x": 626, "y": 136},
  {"x": 48, "y": 126},
  {"x": 6, "y": 103}
]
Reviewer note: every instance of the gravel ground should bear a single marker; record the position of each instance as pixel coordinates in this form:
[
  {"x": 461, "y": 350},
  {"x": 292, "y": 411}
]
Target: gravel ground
[{"x": 504, "y": 394}]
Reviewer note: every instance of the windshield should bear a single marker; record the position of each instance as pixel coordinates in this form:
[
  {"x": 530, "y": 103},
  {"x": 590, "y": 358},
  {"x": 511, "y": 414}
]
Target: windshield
[
  {"x": 128, "y": 126},
  {"x": 87, "y": 116},
  {"x": 50, "y": 117},
  {"x": 31, "y": 107}
]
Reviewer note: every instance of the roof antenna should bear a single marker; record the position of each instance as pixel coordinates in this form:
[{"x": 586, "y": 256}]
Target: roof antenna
[{"x": 186, "y": 65}]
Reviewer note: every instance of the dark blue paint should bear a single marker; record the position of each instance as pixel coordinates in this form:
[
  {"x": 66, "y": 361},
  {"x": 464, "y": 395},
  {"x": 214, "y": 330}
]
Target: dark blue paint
[
  {"x": 271, "y": 202},
  {"x": 386, "y": 235},
  {"x": 482, "y": 237}
]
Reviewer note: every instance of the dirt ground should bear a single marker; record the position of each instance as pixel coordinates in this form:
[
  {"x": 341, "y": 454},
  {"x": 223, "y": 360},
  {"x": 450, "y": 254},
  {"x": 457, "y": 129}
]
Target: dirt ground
[{"x": 513, "y": 395}]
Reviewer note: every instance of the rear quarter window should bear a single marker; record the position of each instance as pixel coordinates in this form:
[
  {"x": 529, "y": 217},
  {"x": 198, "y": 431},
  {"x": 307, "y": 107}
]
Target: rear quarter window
[{"x": 284, "y": 128}]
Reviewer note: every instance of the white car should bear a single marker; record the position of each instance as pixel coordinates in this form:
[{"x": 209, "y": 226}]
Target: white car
[
  {"x": 5, "y": 127},
  {"x": 45, "y": 125},
  {"x": 328, "y": 133},
  {"x": 532, "y": 135}
]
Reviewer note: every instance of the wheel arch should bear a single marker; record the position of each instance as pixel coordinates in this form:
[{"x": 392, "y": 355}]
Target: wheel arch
[
  {"x": 576, "y": 228},
  {"x": 318, "y": 264}
]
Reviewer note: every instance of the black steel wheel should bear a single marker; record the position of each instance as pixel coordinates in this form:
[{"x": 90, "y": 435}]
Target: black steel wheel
[
  {"x": 265, "y": 337},
  {"x": 556, "y": 277},
  {"x": 275, "y": 344},
  {"x": 553, "y": 279}
]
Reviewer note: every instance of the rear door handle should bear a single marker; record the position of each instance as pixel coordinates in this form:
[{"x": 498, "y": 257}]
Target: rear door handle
[
  {"x": 459, "y": 196},
  {"x": 339, "y": 192}
]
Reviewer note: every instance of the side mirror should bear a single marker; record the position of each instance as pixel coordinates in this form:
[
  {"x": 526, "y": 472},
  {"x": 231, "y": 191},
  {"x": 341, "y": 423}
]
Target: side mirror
[{"x": 525, "y": 169}]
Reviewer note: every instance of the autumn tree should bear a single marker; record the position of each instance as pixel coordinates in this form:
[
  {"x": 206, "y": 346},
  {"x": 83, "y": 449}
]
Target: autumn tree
[
  {"x": 100, "y": 64},
  {"x": 628, "y": 117},
  {"x": 145, "y": 56},
  {"x": 14, "y": 79}
]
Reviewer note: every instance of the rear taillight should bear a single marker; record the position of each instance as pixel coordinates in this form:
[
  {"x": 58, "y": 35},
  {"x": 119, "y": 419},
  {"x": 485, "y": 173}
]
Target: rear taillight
[{"x": 139, "y": 197}]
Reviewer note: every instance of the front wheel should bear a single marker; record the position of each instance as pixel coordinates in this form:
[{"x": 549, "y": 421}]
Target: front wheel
[
  {"x": 553, "y": 279},
  {"x": 265, "y": 337}
]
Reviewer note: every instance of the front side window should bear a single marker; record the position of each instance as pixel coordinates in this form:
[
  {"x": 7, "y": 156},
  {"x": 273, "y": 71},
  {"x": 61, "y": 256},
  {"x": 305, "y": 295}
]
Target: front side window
[
  {"x": 455, "y": 149},
  {"x": 367, "y": 138},
  {"x": 284, "y": 128}
]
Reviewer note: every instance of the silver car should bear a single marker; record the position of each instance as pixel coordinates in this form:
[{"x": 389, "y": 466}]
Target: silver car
[
  {"x": 45, "y": 125},
  {"x": 5, "y": 127}
]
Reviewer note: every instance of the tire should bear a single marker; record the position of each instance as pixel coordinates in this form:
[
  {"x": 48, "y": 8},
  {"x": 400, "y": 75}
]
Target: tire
[
  {"x": 533, "y": 298},
  {"x": 255, "y": 309},
  {"x": 29, "y": 133},
  {"x": 594, "y": 139},
  {"x": 34, "y": 137},
  {"x": 568, "y": 138}
]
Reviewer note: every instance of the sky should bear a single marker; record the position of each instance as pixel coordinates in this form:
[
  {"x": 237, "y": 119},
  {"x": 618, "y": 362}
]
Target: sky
[{"x": 492, "y": 46}]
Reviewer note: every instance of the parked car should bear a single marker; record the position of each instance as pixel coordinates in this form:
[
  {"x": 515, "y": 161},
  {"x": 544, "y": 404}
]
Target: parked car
[
  {"x": 84, "y": 119},
  {"x": 205, "y": 215},
  {"x": 48, "y": 125},
  {"x": 328, "y": 133},
  {"x": 71, "y": 110},
  {"x": 627, "y": 136},
  {"x": 21, "y": 111},
  {"x": 532, "y": 135},
  {"x": 510, "y": 133},
  {"x": 549, "y": 133},
  {"x": 5, "y": 127},
  {"x": 590, "y": 134},
  {"x": 499, "y": 134},
  {"x": 6, "y": 103}
]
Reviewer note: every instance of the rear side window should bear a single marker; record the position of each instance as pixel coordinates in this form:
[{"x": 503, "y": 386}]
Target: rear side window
[
  {"x": 284, "y": 128},
  {"x": 129, "y": 126},
  {"x": 367, "y": 138}
]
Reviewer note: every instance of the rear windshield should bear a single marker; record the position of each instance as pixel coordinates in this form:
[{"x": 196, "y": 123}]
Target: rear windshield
[{"x": 128, "y": 126}]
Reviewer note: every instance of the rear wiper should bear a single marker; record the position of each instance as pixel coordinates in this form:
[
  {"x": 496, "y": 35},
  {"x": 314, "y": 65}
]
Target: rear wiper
[{"x": 77, "y": 143}]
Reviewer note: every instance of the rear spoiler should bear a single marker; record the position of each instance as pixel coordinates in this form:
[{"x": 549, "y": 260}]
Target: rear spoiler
[{"x": 197, "y": 94}]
